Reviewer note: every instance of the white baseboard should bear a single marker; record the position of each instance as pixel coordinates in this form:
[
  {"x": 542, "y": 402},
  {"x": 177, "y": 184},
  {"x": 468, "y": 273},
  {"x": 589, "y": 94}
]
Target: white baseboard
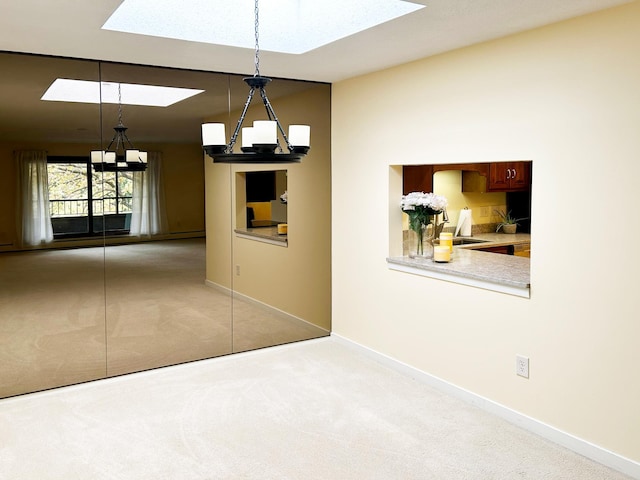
[
  {"x": 257, "y": 303},
  {"x": 578, "y": 445},
  {"x": 221, "y": 288}
]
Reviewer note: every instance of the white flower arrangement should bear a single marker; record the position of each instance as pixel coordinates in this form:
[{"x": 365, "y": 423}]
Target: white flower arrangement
[
  {"x": 421, "y": 207},
  {"x": 284, "y": 197}
]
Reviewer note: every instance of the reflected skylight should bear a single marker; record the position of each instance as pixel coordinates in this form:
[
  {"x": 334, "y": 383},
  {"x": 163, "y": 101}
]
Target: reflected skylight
[
  {"x": 286, "y": 26},
  {"x": 85, "y": 91}
]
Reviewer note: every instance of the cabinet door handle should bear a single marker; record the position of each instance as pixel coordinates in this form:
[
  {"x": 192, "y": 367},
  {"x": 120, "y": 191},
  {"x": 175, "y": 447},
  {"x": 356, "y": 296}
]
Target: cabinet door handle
[
  {"x": 508, "y": 173},
  {"x": 513, "y": 175}
]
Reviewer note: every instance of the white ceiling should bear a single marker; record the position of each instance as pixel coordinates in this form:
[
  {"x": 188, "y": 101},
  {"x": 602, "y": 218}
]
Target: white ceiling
[{"x": 72, "y": 28}]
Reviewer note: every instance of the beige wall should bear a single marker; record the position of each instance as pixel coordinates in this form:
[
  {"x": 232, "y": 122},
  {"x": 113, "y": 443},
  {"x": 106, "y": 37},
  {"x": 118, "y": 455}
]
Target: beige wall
[
  {"x": 565, "y": 96},
  {"x": 295, "y": 279},
  {"x": 183, "y": 180},
  {"x": 184, "y": 187}
]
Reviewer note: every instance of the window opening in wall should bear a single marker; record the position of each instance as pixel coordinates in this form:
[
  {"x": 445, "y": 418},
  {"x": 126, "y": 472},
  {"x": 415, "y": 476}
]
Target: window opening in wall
[
  {"x": 86, "y": 203},
  {"x": 261, "y": 205},
  {"x": 485, "y": 256},
  {"x": 265, "y": 198}
]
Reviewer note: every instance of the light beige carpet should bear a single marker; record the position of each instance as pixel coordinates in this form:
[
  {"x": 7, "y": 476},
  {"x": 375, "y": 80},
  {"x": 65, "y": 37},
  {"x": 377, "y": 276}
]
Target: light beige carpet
[{"x": 309, "y": 410}]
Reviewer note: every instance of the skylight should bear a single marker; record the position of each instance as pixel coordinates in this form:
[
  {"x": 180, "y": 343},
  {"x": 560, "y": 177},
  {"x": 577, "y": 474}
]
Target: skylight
[
  {"x": 286, "y": 26},
  {"x": 85, "y": 91}
]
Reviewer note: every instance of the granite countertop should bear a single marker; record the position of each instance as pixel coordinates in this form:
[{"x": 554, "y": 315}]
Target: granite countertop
[
  {"x": 494, "y": 271},
  {"x": 497, "y": 240}
]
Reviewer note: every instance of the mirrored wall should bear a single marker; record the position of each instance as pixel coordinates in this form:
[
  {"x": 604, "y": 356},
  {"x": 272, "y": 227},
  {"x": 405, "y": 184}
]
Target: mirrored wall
[{"x": 103, "y": 274}]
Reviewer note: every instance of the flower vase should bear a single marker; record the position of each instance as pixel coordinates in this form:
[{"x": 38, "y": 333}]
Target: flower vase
[{"x": 422, "y": 242}]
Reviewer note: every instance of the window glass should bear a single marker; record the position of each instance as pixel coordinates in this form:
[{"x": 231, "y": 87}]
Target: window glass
[
  {"x": 125, "y": 191},
  {"x": 68, "y": 192},
  {"x": 68, "y": 198},
  {"x": 83, "y": 202}
]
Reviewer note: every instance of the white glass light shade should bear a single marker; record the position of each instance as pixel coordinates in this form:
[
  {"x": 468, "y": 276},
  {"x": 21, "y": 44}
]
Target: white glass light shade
[
  {"x": 142, "y": 156},
  {"x": 110, "y": 157},
  {"x": 132, "y": 156},
  {"x": 97, "y": 156},
  {"x": 247, "y": 137},
  {"x": 265, "y": 132},
  {"x": 299, "y": 135},
  {"x": 122, "y": 164},
  {"x": 213, "y": 134}
]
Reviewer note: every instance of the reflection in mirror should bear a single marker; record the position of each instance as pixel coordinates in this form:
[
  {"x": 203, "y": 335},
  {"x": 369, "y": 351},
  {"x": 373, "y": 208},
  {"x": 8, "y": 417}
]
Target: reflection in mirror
[
  {"x": 266, "y": 198},
  {"x": 51, "y": 296},
  {"x": 159, "y": 309},
  {"x": 261, "y": 205},
  {"x": 261, "y": 304},
  {"x": 116, "y": 273},
  {"x": 281, "y": 289}
]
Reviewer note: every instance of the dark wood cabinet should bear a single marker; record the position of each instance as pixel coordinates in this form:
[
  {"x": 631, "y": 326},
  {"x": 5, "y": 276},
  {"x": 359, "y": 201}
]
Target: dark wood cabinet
[
  {"x": 502, "y": 249},
  {"x": 476, "y": 177},
  {"x": 509, "y": 176},
  {"x": 417, "y": 178}
]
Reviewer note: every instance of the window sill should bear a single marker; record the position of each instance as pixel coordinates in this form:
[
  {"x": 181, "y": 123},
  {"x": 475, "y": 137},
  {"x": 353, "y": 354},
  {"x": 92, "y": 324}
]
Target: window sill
[
  {"x": 263, "y": 234},
  {"x": 490, "y": 271}
]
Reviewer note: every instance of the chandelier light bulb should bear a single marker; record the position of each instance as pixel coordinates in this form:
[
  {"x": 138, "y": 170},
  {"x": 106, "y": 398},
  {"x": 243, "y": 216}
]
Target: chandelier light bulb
[
  {"x": 132, "y": 156},
  {"x": 213, "y": 134},
  {"x": 247, "y": 139},
  {"x": 265, "y": 132},
  {"x": 299, "y": 135},
  {"x": 97, "y": 156}
]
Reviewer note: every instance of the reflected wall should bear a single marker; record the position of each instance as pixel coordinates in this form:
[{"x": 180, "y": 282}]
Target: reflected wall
[
  {"x": 52, "y": 301},
  {"x": 83, "y": 308},
  {"x": 281, "y": 289}
]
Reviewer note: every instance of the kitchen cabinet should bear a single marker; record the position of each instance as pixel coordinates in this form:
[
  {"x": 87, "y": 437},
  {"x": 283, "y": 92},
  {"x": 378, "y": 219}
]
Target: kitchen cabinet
[
  {"x": 417, "y": 178},
  {"x": 509, "y": 176},
  {"x": 476, "y": 177},
  {"x": 502, "y": 249}
]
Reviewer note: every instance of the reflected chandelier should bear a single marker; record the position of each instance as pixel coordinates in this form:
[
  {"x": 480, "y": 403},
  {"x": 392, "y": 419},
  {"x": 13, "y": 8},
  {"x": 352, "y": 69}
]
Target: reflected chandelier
[
  {"x": 123, "y": 157},
  {"x": 260, "y": 143}
]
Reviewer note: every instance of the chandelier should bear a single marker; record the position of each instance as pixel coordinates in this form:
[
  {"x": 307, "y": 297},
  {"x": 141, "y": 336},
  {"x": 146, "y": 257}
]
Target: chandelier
[
  {"x": 260, "y": 143},
  {"x": 120, "y": 155}
]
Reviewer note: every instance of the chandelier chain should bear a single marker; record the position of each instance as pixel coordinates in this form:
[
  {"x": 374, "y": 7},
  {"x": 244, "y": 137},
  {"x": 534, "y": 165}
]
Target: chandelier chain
[
  {"x": 257, "y": 56},
  {"x": 270, "y": 151},
  {"x": 119, "y": 104}
]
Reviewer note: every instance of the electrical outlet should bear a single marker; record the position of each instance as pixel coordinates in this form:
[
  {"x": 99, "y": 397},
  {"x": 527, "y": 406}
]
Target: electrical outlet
[
  {"x": 522, "y": 366},
  {"x": 484, "y": 211},
  {"x": 238, "y": 270}
]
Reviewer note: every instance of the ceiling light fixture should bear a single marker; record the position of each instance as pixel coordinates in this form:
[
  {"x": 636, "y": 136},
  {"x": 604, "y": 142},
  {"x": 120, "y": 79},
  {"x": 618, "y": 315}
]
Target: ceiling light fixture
[
  {"x": 260, "y": 143},
  {"x": 124, "y": 157},
  {"x": 89, "y": 91}
]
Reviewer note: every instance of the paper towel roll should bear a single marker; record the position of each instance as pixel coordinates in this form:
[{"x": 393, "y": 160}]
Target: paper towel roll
[{"x": 464, "y": 223}]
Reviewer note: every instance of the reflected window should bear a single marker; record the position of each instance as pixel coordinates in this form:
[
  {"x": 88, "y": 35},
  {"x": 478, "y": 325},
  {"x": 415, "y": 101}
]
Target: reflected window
[
  {"x": 86, "y": 203},
  {"x": 261, "y": 206},
  {"x": 266, "y": 198},
  {"x": 112, "y": 194}
]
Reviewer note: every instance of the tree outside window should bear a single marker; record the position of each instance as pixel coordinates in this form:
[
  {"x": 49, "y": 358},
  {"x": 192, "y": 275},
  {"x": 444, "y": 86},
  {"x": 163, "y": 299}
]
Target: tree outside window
[{"x": 85, "y": 203}]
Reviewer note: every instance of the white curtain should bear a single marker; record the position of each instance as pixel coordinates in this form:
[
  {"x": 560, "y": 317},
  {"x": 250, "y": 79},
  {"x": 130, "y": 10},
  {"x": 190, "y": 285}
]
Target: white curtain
[
  {"x": 148, "y": 214},
  {"x": 34, "y": 219}
]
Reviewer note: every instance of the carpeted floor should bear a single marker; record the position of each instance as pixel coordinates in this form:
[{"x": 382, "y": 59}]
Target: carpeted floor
[
  {"x": 69, "y": 316},
  {"x": 309, "y": 410}
]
